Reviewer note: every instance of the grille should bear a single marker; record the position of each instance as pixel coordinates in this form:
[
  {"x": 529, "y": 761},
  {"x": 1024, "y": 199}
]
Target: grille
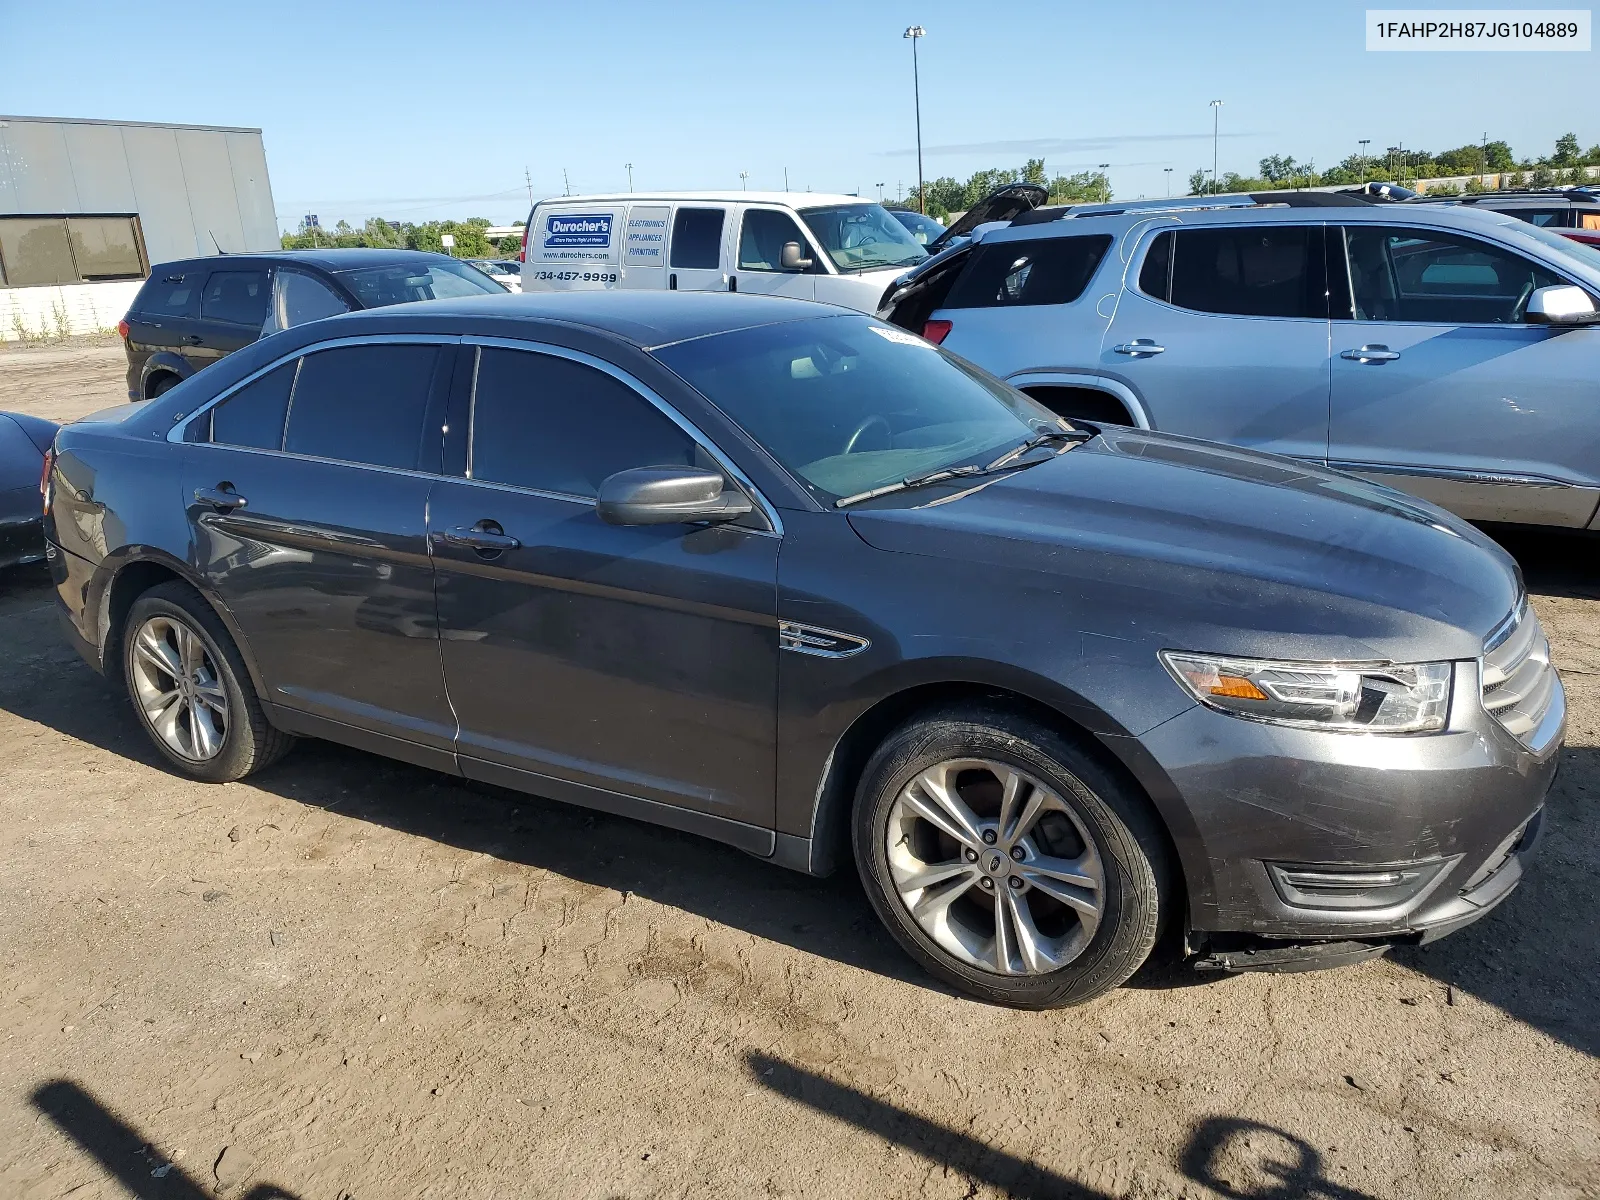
[{"x": 1519, "y": 684}]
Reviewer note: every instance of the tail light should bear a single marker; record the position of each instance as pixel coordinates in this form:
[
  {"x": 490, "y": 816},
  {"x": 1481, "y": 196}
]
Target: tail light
[
  {"x": 45, "y": 491},
  {"x": 122, "y": 328},
  {"x": 936, "y": 331}
]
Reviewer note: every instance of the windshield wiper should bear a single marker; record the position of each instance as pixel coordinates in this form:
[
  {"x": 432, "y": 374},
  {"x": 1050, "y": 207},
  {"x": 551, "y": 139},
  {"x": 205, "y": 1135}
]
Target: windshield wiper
[{"x": 970, "y": 469}]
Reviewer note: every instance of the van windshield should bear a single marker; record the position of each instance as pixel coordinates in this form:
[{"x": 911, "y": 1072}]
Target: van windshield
[{"x": 863, "y": 237}]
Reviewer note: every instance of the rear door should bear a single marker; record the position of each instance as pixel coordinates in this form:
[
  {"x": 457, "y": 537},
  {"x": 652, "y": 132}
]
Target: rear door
[
  {"x": 763, "y": 232},
  {"x": 166, "y": 314},
  {"x": 1441, "y": 389},
  {"x": 1222, "y": 332},
  {"x": 233, "y": 310},
  {"x": 307, "y": 493},
  {"x": 699, "y": 250}
]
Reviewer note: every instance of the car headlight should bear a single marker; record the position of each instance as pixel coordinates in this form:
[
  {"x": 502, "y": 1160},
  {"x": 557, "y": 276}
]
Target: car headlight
[{"x": 1349, "y": 697}]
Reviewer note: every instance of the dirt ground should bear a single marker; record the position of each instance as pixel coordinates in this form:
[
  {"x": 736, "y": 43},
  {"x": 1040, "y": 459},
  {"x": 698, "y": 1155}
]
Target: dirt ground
[{"x": 350, "y": 978}]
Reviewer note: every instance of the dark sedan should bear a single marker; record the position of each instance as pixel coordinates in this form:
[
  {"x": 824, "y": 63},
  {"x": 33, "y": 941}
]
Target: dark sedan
[
  {"x": 794, "y": 579},
  {"x": 24, "y": 441},
  {"x": 191, "y": 313}
]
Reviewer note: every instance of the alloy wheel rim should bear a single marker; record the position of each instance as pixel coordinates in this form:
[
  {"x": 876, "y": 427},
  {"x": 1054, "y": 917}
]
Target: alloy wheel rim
[
  {"x": 995, "y": 867},
  {"x": 179, "y": 689}
]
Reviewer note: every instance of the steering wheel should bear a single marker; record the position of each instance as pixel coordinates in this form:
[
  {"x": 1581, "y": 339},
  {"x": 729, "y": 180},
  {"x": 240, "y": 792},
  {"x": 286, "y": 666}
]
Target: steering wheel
[
  {"x": 874, "y": 419},
  {"x": 1517, "y": 309}
]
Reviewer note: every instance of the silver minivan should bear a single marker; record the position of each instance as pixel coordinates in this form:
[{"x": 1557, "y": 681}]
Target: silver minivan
[{"x": 1451, "y": 353}]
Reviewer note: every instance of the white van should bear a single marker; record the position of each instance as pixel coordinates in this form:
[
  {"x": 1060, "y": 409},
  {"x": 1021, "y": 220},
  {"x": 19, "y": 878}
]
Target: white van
[{"x": 838, "y": 249}]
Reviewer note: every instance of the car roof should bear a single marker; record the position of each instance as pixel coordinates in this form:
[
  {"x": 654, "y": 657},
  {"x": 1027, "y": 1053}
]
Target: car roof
[
  {"x": 792, "y": 199},
  {"x": 646, "y": 318},
  {"x": 343, "y": 259}
]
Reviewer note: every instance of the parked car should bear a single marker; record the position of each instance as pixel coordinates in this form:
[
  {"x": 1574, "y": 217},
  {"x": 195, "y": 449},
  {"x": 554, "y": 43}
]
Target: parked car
[
  {"x": 1572, "y": 212},
  {"x": 506, "y": 272},
  {"x": 921, "y": 226},
  {"x": 1443, "y": 350},
  {"x": 804, "y": 245},
  {"x": 24, "y": 441},
  {"x": 191, "y": 313},
  {"x": 794, "y": 579}
]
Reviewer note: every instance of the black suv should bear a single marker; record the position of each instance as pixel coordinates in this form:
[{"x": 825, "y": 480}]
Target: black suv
[{"x": 192, "y": 312}]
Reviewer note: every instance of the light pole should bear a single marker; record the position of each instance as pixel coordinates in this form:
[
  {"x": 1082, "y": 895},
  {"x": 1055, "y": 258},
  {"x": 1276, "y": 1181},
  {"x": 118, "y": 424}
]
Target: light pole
[
  {"x": 1168, "y": 171},
  {"x": 743, "y": 178},
  {"x": 630, "y": 175},
  {"x": 1365, "y": 142},
  {"x": 880, "y": 193},
  {"x": 915, "y": 33},
  {"x": 1216, "y": 127}
]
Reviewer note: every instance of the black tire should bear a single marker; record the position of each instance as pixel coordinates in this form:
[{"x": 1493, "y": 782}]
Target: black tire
[
  {"x": 249, "y": 742},
  {"x": 163, "y": 384},
  {"x": 1130, "y": 844}
]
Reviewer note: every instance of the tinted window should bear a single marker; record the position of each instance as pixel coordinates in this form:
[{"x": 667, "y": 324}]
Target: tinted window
[
  {"x": 762, "y": 237},
  {"x": 1422, "y": 275},
  {"x": 253, "y": 416},
  {"x": 301, "y": 298},
  {"x": 237, "y": 297},
  {"x": 1155, "y": 277},
  {"x": 697, "y": 238},
  {"x": 1271, "y": 272},
  {"x": 1047, "y": 271},
  {"x": 544, "y": 422},
  {"x": 363, "y": 404},
  {"x": 439, "y": 279},
  {"x": 171, "y": 295},
  {"x": 1541, "y": 216}
]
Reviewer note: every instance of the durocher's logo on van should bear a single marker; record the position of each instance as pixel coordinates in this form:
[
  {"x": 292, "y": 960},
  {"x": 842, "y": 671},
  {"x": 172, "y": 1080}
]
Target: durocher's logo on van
[{"x": 577, "y": 229}]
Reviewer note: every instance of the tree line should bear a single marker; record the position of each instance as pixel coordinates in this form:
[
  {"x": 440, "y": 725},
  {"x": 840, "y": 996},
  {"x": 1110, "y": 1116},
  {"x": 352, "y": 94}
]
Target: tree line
[
  {"x": 471, "y": 240},
  {"x": 948, "y": 194}
]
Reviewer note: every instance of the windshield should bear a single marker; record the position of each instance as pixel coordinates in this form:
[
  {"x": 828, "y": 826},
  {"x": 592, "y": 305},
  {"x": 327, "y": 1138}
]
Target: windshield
[
  {"x": 923, "y": 228},
  {"x": 863, "y": 237},
  {"x": 1587, "y": 255},
  {"x": 404, "y": 282},
  {"x": 848, "y": 404}
]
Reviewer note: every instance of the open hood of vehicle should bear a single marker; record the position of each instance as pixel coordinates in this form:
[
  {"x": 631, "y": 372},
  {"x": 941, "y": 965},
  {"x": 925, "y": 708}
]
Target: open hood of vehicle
[{"x": 1002, "y": 204}]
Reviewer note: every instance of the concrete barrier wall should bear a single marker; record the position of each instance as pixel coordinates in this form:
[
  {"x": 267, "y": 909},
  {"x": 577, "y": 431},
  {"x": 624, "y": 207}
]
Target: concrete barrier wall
[{"x": 34, "y": 312}]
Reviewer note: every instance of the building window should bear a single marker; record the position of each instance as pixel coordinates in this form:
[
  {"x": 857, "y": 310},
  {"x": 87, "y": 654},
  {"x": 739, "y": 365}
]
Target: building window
[{"x": 39, "y": 251}]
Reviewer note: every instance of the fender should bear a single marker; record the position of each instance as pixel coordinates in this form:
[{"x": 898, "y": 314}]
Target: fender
[{"x": 163, "y": 362}]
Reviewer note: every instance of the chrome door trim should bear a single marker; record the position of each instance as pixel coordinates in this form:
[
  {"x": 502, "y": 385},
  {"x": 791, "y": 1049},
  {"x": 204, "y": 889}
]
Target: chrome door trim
[
  {"x": 628, "y": 381},
  {"x": 1497, "y": 478}
]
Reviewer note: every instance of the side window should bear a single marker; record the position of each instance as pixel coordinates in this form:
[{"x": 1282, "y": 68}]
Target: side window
[
  {"x": 1444, "y": 278},
  {"x": 362, "y": 404},
  {"x": 1045, "y": 271},
  {"x": 236, "y": 297},
  {"x": 1273, "y": 271},
  {"x": 171, "y": 295},
  {"x": 544, "y": 422},
  {"x": 253, "y": 416},
  {"x": 762, "y": 237},
  {"x": 1155, "y": 277},
  {"x": 298, "y": 298},
  {"x": 697, "y": 238}
]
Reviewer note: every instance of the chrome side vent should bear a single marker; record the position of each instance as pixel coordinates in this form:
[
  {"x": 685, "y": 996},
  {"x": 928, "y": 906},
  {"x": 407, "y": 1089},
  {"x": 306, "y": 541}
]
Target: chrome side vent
[
  {"x": 818, "y": 642},
  {"x": 1519, "y": 684}
]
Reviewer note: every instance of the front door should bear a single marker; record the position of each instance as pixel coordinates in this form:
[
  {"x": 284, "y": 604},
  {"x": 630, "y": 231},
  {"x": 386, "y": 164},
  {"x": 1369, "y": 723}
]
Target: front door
[
  {"x": 233, "y": 310},
  {"x": 1440, "y": 389},
  {"x": 763, "y": 233},
  {"x": 1225, "y": 336},
  {"x": 639, "y": 661},
  {"x": 697, "y": 255},
  {"x": 308, "y": 515}
]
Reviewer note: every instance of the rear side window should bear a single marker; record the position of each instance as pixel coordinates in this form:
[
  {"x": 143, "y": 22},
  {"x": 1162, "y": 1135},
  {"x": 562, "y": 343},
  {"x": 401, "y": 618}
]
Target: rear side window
[
  {"x": 236, "y": 297},
  {"x": 362, "y": 404},
  {"x": 547, "y": 423},
  {"x": 253, "y": 416},
  {"x": 697, "y": 238},
  {"x": 1047, "y": 271},
  {"x": 1276, "y": 271},
  {"x": 171, "y": 295}
]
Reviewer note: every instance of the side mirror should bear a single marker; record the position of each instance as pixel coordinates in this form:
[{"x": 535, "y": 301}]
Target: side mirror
[
  {"x": 1562, "y": 304},
  {"x": 793, "y": 258},
  {"x": 667, "y": 496}
]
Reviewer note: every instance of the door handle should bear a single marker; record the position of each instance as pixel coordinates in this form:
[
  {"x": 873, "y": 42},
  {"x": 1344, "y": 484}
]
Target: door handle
[
  {"x": 192, "y": 339},
  {"x": 486, "y": 538},
  {"x": 222, "y": 497},
  {"x": 1139, "y": 346},
  {"x": 1373, "y": 353}
]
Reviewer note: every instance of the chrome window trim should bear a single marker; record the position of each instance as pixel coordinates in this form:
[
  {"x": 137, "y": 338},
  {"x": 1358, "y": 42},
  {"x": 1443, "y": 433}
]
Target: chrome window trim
[
  {"x": 644, "y": 390},
  {"x": 179, "y": 427},
  {"x": 316, "y": 458}
]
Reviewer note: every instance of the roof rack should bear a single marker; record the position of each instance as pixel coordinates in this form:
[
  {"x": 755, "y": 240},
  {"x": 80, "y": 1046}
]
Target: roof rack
[{"x": 1231, "y": 200}]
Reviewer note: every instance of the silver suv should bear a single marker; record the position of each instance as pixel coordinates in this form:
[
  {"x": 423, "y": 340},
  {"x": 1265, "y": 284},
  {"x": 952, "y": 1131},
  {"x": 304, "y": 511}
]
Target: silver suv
[{"x": 1448, "y": 352}]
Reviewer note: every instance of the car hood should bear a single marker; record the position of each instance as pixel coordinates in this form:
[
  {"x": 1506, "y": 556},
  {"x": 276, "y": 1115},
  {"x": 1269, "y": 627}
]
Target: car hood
[{"x": 1220, "y": 549}]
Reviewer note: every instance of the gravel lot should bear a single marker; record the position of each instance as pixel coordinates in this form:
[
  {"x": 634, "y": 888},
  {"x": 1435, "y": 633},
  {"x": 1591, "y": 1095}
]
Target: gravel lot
[{"x": 350, "y": 978}]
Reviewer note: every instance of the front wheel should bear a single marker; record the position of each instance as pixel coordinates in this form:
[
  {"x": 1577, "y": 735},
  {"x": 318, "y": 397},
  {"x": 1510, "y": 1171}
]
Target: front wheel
[
  {"x": 191, "y": 690},
  {"x": 1007, "y": 861}
]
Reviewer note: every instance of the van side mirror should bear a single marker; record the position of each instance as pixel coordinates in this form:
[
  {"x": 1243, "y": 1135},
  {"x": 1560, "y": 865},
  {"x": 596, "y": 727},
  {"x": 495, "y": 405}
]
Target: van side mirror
[
  {"x": 1562, "y": 304},
  {"x": 668, "y": 496},
  {"x": 794, "y": 258}
]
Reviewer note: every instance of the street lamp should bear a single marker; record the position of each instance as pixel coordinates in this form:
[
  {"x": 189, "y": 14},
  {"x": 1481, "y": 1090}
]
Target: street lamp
[
  {"x": 743, "y": 177},
  {"x": 1365, "y": 142},
  {"x": 630, "y": 175},
  {"x": 880, "y": 193},
  {"x": 1168, "y": 171},
  {"x": 915, "y": 33},
  {"x": 1216, "y": 126}
]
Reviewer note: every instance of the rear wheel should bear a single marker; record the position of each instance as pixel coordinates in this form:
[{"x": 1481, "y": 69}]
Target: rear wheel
[
  {"x": 162, "y": 384},
  {"x": 1007, "y": 861},
  {"x": 191, "y": 690}
]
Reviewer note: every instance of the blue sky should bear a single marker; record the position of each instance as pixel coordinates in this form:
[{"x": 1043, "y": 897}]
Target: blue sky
[{"x": 412, "y": 111}]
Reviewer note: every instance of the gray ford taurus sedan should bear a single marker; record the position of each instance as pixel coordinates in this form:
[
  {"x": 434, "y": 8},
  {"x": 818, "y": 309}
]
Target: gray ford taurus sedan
[{"x": 797, "y": 580}]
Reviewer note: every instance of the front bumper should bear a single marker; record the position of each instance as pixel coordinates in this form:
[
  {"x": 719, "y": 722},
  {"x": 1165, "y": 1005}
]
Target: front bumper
[{"x": 1440, "y": 826}]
